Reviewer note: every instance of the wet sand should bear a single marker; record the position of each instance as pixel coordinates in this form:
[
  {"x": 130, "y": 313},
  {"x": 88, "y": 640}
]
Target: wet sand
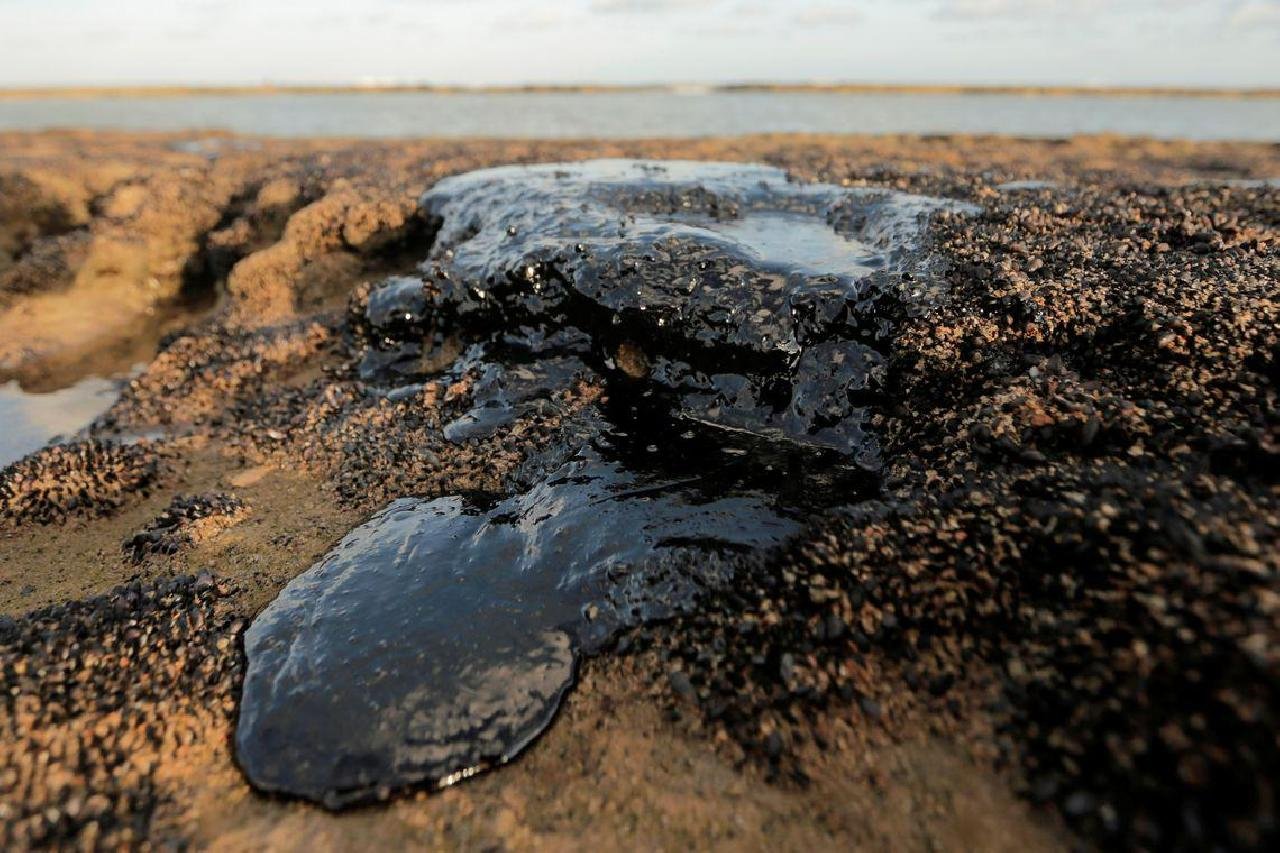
[{"x": 1058, "y": 623}]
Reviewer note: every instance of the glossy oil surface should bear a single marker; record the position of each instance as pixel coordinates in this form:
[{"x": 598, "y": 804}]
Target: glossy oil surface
[{"x": 739, "y": 324}]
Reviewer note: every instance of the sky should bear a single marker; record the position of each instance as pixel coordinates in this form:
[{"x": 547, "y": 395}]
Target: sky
[{"x": 496, "y": 42}]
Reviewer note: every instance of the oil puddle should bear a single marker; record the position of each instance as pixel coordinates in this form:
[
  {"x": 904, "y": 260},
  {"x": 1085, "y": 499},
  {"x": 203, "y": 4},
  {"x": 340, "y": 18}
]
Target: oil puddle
[
  {"x": 439, "y": 637},
  {"x": 30, "y": 420},
  {"x": 739, "y": 323}
]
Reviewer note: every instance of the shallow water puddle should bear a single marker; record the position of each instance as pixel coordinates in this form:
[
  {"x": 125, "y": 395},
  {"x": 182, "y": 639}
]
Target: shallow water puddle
[
  {"x": 739, "y": 322},
  {"x": 61, "y": 394},
  {"x": 30, "y": 420}
]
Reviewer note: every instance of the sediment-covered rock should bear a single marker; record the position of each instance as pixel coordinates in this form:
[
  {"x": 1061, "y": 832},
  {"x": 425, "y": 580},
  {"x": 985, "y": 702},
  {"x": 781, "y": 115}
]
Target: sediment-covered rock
[
  {"x": 88, "y": 478},
  {"x": 98, "y": 695},
  {"x": 186, "y": 521}
]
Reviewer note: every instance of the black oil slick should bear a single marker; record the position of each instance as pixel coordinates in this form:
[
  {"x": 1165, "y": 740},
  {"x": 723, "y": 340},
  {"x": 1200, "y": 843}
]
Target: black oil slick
[{"x": 739, "y": 323}]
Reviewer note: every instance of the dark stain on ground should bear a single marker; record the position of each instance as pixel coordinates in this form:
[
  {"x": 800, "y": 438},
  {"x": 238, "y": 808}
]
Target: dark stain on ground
[
  {"x": 753, "y": 302},
  {"x": 734, "y": 317}
]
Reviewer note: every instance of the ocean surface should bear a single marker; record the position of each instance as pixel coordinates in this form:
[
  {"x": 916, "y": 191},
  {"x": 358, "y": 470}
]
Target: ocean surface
[{"x": 659, "y": 114}]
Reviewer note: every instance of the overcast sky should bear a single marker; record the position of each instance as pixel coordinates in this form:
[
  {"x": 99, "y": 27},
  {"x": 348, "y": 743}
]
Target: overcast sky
[{"x": 1138, "y": 42}]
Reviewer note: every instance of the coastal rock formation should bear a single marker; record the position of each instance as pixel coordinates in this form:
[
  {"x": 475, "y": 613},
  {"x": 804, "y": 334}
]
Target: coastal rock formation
[{"x": 1049, "y": 619}]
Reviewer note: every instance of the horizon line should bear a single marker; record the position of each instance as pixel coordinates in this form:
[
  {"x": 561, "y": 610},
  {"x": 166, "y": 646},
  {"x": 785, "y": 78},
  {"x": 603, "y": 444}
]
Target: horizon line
[{"x": 694, "y": 88}]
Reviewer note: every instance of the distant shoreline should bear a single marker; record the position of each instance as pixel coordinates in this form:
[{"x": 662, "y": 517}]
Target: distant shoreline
[{"x": 101, "y": 92}]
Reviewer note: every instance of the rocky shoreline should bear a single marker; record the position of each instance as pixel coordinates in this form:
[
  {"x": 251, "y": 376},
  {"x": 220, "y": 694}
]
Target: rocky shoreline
[{"x": 1056, "y": 622}]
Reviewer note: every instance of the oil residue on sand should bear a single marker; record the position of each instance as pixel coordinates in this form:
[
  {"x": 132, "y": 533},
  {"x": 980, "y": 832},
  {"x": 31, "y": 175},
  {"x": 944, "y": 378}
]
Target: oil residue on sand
[{"x": 738, "y": 322}]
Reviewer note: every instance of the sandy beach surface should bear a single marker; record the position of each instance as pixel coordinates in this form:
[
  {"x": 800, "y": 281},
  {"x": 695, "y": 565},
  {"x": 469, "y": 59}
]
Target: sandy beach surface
[{"x": 1057, "y": 624}]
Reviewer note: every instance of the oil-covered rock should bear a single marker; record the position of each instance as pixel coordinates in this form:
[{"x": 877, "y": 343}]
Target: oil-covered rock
[
  {"x": 754, "y": 302},
  {"x": 738, "y": 322}
]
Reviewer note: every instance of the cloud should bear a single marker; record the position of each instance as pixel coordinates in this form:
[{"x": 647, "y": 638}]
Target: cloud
[
  {"x": 829, "y": 14},
  {"x": 530, "y": 19},
  {"x": 643, "y": 6},
  {"x": 730, "y": 30},
  {"x": 754, "y": 9},
  {"x": 1176, "y": 42},
  {"x": 984, "y": 10},
  {"x": 980, "y": 10},
  {"x": 1256, "y": 14}
]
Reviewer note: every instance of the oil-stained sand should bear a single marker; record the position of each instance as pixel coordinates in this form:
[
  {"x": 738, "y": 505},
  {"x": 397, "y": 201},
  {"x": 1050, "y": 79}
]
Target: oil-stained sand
[{"x": 1064, "y": 610}]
